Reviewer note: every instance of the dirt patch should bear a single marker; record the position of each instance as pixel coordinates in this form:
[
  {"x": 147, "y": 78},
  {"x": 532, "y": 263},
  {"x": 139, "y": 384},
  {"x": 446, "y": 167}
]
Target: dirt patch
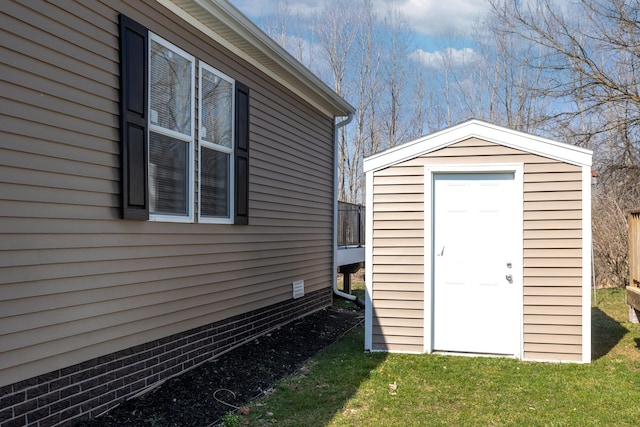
[{"x": 196, "y": 397}]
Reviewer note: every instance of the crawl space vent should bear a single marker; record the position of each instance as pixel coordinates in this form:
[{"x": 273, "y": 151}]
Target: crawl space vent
[{"x": 298, "y": 289}]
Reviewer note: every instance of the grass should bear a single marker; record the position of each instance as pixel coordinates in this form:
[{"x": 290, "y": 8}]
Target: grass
[{"x": 344, "y": 386}]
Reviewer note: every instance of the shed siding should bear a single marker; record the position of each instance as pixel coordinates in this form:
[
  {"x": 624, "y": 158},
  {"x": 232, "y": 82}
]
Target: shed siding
[
  {"x": 398, "y": 260},
  {"x": 76, "y": 281},
  {"x": 552, "y": 242}
]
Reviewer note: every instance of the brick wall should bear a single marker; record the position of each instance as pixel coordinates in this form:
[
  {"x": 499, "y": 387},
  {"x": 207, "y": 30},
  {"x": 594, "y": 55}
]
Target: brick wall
[{"x": 82, "y": 391}]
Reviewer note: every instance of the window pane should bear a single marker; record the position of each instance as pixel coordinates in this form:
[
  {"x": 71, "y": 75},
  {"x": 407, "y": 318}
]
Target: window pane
[
  {"x": 216, "y": 114},
  {"x": 214, "y": 185},
  {"x": 170, "y": 89},
  {"x": 168, "y": 175}
]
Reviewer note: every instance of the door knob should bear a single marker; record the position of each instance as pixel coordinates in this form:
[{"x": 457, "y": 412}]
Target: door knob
[{"x": 509, "y": 278}]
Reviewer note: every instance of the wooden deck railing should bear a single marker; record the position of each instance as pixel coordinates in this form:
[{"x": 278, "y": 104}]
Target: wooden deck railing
[
  {"x": 633, "y": 290},
  {"x": 634, "y": 248}
]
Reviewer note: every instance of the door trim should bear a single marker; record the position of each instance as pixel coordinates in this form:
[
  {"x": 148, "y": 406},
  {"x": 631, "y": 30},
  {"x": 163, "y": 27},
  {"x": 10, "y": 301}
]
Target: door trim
[{"x": 518, "y": 172}]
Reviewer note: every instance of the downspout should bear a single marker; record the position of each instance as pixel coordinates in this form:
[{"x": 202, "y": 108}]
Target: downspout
[{"x": 336, "y": 159}]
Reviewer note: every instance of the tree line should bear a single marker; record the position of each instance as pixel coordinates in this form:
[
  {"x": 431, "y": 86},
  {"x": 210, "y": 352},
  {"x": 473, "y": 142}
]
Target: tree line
[{"x": 564, "y": 70}]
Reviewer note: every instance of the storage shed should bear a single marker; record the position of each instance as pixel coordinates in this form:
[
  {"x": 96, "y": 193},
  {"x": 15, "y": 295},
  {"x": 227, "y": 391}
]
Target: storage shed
[{"x": 479, "y": 242}]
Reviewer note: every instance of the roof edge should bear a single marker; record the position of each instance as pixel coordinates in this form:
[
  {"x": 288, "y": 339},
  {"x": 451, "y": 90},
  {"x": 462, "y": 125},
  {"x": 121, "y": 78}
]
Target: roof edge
[
  {"x": 277, "y": 62},
  {"x": 477, "y": 128}
]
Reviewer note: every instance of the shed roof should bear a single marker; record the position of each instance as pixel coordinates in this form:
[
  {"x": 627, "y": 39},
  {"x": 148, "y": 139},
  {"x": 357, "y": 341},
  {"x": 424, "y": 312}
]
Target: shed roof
[
  {"x": 477, "y": 128},
  {"x": 225, "y": 24}
]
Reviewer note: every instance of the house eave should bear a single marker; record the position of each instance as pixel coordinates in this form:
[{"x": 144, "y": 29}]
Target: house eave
[
  {"x": 483, "y": 130},
  {"x": 227, "y": 26}
]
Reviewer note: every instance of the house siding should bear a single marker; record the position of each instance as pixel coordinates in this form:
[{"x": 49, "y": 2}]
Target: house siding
[
  {"x": 552, "y": 246},
  {"x": 90, "y": 388},
  {"x": 77, "y": 282}
]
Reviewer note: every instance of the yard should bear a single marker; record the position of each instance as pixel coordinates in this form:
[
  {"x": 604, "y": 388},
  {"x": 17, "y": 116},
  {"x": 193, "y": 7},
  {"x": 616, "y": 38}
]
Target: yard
[{"x": 345, "y": 386}]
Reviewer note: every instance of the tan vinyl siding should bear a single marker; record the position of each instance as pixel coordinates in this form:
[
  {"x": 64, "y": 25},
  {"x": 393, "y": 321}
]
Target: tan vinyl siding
[
  {"x": 552, "y": 242},
  {"x": 544, "y": 355},
  {"x": 76, "y": 281},
  {"x": 398, "y": 260},
  {"x": 553, "y": 262},
  {"x": 552, "y": 238}
]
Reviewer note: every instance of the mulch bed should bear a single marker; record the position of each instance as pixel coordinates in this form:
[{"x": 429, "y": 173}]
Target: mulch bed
[{"x": 196, "y": 397}]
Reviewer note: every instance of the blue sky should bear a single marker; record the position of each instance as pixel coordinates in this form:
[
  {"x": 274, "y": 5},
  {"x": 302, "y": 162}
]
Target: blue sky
[{"x": 430, "y": 20}]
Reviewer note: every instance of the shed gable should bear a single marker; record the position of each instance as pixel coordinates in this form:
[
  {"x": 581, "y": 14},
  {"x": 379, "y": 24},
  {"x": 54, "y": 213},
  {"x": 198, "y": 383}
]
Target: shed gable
[{"x": 485, "y": 131}]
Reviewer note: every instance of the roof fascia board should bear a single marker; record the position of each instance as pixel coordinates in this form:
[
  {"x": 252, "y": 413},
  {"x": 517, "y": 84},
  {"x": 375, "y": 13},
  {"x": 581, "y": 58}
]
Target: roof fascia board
[
  {"x": 322, "y": 96},
  {"x": 482, "y": 130}
]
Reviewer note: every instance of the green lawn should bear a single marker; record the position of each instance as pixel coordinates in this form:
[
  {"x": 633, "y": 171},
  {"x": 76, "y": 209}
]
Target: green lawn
[{"x": 344, "y": 386}]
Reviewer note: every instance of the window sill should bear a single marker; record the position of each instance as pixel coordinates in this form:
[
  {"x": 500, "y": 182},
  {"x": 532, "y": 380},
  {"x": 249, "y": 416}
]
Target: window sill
[{"x": 171, "y": 218}]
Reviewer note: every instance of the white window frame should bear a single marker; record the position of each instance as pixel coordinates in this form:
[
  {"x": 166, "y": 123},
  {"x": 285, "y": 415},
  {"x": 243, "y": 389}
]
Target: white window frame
[
  {"x": 190, "y": 139},
  {"x": 212, "y": 146}
]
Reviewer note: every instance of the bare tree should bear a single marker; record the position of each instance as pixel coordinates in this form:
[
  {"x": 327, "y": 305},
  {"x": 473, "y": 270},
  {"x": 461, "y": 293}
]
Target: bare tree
[
  {"x": 396, "y": 57},
  {"x": 591, "y": 56},
  {"x": 337, "y": 34},
  {"x": 365, "y": 58},
  {"x": 294, "y": 32},
  {"x": 277, "y": 25},
  {"x": 367, "y": 96},
  {"x": 419, "y": 111},
  {"x": 500, "y": 80}
]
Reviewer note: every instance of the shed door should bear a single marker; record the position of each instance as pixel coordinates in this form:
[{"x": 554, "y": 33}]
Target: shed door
[{"x": 474, "y": 288}]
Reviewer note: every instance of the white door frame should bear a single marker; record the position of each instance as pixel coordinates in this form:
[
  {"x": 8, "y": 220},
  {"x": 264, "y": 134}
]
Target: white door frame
[{"x": 518, "y": 173}]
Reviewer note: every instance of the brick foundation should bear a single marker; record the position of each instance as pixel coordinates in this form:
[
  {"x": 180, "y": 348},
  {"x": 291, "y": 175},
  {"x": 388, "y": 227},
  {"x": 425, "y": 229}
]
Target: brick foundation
[{"x": 85, "y": 390}]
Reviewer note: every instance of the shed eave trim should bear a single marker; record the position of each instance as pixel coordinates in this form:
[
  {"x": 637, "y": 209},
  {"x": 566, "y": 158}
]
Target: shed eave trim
[
  {"x": 227, "y": 26},
  {"x": 476, "y": 128}
]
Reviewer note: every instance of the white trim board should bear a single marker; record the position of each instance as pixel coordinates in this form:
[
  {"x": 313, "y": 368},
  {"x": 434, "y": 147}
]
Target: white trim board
[
  {"x": 587, "y": 248},
  {"x": 368, "y": 271},
  {"x": 518, "y": 175}
]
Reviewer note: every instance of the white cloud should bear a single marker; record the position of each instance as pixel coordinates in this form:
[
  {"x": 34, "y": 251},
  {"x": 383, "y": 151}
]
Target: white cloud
[
  {"x": 449, "y": 57},
  {"x": 432, "y": 17},
  {"x": 428, "y": 17},
  {"x": 258, "y": 8}
]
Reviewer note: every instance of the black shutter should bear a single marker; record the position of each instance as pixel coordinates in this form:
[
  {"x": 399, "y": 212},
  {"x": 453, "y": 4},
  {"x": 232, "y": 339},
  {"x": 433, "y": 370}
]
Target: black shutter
[
  {"x": 134, "y": 66},
  {"x": 242, "y": 155}
]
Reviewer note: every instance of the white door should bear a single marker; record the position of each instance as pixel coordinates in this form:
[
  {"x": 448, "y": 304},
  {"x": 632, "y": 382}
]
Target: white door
[{"x": 474, "y": 286}]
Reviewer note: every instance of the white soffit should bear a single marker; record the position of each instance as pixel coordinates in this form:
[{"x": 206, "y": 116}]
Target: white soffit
[
  {"x": 227, "y": 26},
  {"x": 476, "y": 128}
]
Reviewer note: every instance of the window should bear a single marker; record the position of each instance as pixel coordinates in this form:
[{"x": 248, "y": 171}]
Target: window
[
  {"x": 158, "y": 134},
  {"x": 216, "y": 110},
  {"x": 171, "y": 131}
]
